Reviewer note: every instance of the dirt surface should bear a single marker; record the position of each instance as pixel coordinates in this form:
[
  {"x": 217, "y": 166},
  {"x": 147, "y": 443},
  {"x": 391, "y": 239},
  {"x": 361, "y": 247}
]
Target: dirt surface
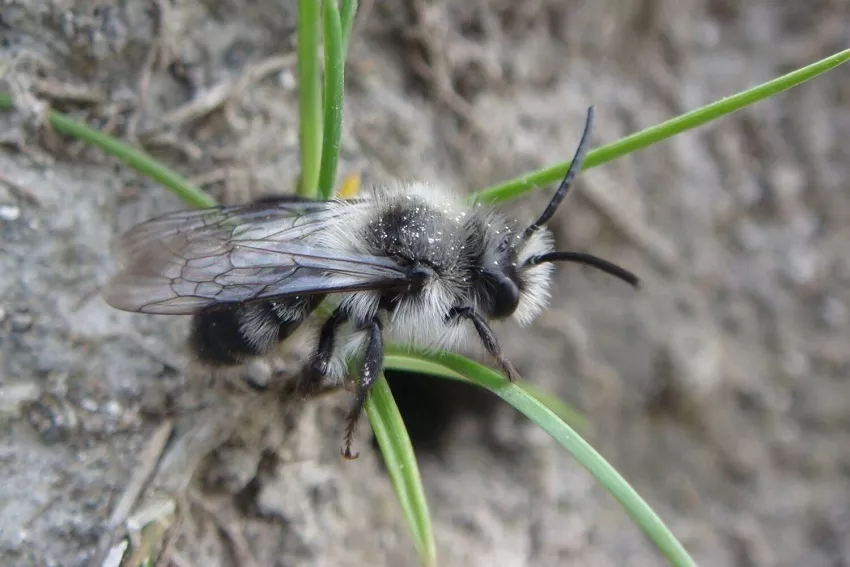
[{"x": 720, "y": 390}]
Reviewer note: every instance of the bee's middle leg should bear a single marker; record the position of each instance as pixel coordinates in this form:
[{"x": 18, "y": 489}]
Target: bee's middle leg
[{"x": 317, "y": 368}]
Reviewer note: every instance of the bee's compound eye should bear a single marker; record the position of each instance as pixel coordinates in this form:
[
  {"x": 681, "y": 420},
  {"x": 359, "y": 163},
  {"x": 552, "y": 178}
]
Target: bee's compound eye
[{"x": 506, "y": 298}]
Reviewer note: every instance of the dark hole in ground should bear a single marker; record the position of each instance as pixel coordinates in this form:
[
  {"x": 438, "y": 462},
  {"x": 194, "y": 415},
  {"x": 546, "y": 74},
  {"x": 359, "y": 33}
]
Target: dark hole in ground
[{"x": 431, "y": 407}]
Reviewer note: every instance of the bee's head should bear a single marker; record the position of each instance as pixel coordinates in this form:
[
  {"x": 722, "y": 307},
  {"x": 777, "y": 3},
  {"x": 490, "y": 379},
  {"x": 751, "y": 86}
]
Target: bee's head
[
  {"x": 509, "y": 286},
  {"x": 517, "y": 275}
]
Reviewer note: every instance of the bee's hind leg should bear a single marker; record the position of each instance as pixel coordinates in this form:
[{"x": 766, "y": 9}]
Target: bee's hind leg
[{"x": 373, "y": 361}]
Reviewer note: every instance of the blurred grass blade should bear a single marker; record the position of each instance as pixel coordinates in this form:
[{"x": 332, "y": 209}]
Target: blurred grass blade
[
  {"x": 401, "y": 464},
  {"x": 349, "y": 10},
  {"x": 333, "y": 97},
  {"x": 137, "y": 159},
  {"x": 309, "y": 96},
  {"x": 516, "y": 187},
  {"x": 634, "y": 505},
  {"x": 395, "y": 359}
]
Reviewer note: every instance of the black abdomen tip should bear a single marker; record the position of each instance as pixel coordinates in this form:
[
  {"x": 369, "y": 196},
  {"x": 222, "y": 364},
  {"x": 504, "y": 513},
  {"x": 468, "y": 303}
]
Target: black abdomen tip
[
  {"x": 226, "y": 336},
  {"x": 216, "y": 338}
]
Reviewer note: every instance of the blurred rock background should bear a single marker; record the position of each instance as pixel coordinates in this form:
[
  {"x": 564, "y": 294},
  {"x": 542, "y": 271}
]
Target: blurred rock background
[{"x": 720, "y": 390}]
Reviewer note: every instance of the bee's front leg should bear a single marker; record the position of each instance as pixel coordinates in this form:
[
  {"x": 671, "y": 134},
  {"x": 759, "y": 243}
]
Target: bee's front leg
[
  {"x": 487, "y": 336},
  {"x": 373, "y": 362}
]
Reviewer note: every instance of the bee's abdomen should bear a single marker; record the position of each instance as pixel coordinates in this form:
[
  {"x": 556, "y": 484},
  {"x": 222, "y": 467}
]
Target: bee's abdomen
[
  {"x": 216, "y": 337},
  {"x": 226, "y": 336}
]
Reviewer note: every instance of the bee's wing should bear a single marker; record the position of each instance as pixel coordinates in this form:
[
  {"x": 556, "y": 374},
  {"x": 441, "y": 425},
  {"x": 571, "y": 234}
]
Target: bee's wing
[
  {"x": 184, "y": 261},
  {"x": 292, "y": 220}
]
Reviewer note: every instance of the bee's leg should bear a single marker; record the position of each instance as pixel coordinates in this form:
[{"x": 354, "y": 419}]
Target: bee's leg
[
  {"x": 311, "y": 379},
  {"x": 373, "y": 361},
  {"x": 488, "y": 337}
]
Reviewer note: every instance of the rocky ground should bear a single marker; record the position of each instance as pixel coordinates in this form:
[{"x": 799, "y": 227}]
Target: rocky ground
[{"x": 719, "y": 390}]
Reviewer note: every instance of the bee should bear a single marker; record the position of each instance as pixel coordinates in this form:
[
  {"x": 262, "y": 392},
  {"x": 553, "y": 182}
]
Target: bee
[{"x": 410, "y": 262}]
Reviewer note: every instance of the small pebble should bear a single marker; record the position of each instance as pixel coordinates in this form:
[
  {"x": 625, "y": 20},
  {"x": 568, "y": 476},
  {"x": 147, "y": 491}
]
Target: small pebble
[
  {"x": 750, "y": 236},
  {"x": 10, "y": 212},
  {"x": 788, "y": 183},
  {"x": 833, "y": 312},
  {"x": 801, "y": 264},
  {"x": 749, "y": 192},
  {"x": 707, "y": 34},
  {"x": 21, "y": 322},
  {"x": 287, "y": 80},
  {"x": 803, "y": 224},
  {"x": 113, "y": 408},
  {"x": 14, "y": 395},
  {"x": 695, "y": 356},
  {"x": 794, "y": 362}
]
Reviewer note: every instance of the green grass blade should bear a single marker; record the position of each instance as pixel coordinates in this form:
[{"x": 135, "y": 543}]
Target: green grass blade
[
  {"x": 333, "y": 98},
  {"x": 520, "y": 185},
  {"x": 137, "y": 159},
  {"x": 401, "y": 464},
  {"x": 309, "y": 96},
  {"x": 395, "y": 359},
  {"x": 349, "y": 10},
  {"x": 553, "y": 403},
  {"x": 634, "y": 505}
]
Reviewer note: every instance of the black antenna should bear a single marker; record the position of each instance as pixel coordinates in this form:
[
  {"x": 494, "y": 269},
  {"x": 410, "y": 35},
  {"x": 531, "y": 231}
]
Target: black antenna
[
  {"x": 564, "y": 187},
  {"x": 588, "y": 259}
]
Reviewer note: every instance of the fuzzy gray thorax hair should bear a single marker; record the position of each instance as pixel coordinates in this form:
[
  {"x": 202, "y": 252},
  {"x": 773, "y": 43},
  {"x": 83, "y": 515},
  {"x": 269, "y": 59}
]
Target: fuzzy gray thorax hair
[{"x": 419, "y": 224}]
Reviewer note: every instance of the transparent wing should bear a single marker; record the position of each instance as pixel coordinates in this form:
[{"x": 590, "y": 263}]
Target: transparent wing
[
  {"x": 184, "y": 261},
  {"x": 284, "y": 220}
]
